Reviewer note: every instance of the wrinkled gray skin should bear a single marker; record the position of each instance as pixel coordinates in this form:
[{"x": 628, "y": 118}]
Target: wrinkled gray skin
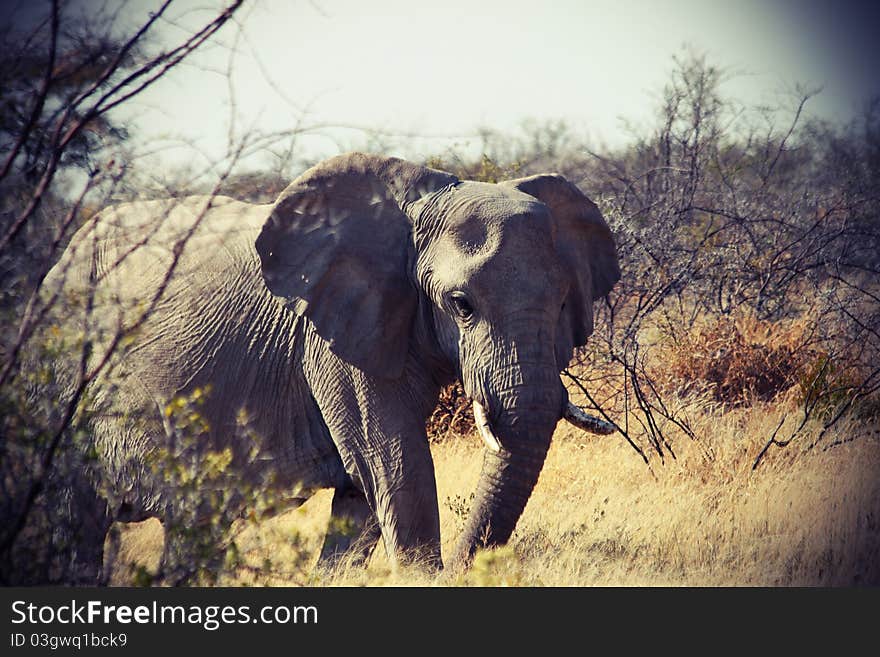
[{"x": 332, "y": 318}]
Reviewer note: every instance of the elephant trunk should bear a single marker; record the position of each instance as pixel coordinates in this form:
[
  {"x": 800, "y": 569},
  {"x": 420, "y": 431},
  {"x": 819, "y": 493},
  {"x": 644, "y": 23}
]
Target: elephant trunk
[
  {"x": 506, "y": 482},
  {"x": 509, "y": 474}
]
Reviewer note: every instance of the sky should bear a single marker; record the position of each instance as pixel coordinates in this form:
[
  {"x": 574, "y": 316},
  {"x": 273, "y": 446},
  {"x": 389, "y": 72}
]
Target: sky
[{"x": 445, "y": 69}]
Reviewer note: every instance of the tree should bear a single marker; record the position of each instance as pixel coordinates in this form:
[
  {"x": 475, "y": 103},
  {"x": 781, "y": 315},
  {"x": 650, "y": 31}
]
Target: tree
[
  {"x": 60, "y": 154},
  {"x": 726, "y": 212}
]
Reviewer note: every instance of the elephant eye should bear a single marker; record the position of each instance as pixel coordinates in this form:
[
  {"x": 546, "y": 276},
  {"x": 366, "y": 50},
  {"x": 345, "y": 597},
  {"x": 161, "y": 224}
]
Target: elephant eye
[{"x": 461, "y": 305}]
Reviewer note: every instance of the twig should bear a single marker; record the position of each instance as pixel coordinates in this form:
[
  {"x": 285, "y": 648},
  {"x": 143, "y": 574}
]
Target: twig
[{"x": 596, "y": 407}]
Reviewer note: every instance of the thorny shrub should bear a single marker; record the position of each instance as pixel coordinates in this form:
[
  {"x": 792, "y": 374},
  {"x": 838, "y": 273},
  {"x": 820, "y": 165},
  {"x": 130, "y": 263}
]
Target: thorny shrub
[
  {"x": 736, "y": 359},
  {"x": 453, "y": 415}
]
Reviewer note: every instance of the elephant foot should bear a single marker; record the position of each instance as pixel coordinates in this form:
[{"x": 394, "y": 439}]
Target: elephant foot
[{"x": 352, "y": 533}]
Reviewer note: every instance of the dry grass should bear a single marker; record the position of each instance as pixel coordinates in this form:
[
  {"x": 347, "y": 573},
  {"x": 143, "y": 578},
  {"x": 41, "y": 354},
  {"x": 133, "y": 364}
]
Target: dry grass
[
  {"x": 599, "y": 516},
  {"x": 803, "y": 518}
]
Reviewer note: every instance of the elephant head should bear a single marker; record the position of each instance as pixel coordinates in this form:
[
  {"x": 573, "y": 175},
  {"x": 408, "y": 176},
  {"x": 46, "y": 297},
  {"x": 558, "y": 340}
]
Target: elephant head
[{"x": 403, "y": 268}]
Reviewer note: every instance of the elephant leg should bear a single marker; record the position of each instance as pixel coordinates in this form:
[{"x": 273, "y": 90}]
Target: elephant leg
[
  {"x": 193, "y": 548},
  {"x": 353, "y": 530},
  {"x": 378, "y": 427},
  {"x": 89, "y": 522},
  {"x": 175, "y": 561},
  {"x": 61, "y": 541}
]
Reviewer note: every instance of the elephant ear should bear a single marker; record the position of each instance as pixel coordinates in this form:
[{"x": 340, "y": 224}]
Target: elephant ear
[
  {"x": 335, "y": 249},
  {"x": 587, "y": 249}
]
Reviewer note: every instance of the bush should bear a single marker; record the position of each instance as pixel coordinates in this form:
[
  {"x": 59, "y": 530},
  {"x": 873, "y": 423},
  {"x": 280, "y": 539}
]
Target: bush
[
  {"x": 737, "y": 361},
  {"x": 453, "y": 416}
]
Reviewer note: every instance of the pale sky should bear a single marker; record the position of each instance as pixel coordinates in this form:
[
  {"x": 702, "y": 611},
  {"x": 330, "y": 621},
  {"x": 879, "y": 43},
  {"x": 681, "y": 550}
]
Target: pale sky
[{"x": 448, "y": 68}]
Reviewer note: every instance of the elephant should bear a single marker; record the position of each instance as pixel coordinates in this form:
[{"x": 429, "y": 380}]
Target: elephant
[{"x": 331, "y": 319}]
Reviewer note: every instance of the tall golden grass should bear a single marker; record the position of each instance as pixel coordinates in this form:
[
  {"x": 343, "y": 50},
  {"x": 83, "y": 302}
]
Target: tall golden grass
[{"x": 807, "y": 516}]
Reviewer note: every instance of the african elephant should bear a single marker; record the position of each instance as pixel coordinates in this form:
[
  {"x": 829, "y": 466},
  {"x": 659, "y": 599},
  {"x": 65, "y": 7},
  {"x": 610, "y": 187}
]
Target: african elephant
[{"x": 331, "y": 319}]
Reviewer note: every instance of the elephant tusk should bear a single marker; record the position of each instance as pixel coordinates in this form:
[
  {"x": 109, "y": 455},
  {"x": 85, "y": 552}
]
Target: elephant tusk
[
  {"x": 486, "y": 433},
  {"x": 587, "y": 422}
]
